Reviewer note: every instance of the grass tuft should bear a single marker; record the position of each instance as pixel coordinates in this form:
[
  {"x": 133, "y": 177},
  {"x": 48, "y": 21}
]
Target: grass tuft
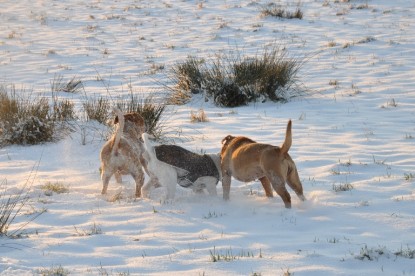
[
  {"x": 272, "y": 9},
  {"x": 198, "y": 117},
  {"x": 233, "y": 79},
  {"x": 49, "y": 188},
  {"x": 343, "y": 187},
  {"x": 12, "y": 205},
  {"x": 54, "y": 271},
  {"x": 74, "y": 85},
  {"x": 97, "y": 109}
]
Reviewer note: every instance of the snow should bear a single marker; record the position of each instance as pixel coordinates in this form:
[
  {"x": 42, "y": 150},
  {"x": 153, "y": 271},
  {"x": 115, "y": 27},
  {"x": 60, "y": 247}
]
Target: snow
[{"x": 348, "y": 133}]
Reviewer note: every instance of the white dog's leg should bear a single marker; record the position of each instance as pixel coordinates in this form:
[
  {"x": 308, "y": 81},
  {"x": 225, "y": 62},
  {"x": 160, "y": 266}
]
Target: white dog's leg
[
  {"x": 207, "y": 182},
  {"x": 149, "y": 186},
  {"x": 168, "y": 179}
]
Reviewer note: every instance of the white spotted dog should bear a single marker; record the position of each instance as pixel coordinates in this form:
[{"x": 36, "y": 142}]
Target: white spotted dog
[
  {"x": 122, "y": 154},
  {"x": 169, "y": 165}
]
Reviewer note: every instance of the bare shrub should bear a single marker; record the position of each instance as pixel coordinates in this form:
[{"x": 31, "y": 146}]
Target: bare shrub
[
  {"x": 64, "y": 110},
  {"x": 74, "y": 85},
  {"x": 97, "y": 109},
  {"x": 12, "y": 205}
]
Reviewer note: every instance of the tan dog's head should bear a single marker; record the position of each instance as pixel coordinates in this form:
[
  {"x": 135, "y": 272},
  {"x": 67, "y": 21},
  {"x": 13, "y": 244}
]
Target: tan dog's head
[
  {"x": 134, "y": 122},
  {"x": 236, "y": 140},
  {"x": 225, "y": 142}
]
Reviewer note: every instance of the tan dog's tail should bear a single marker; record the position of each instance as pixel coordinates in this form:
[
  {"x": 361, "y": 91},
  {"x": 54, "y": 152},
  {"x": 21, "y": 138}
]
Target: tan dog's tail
[
  {"x": 120, "y": 120},
  {"x": 288, "y": 139}
]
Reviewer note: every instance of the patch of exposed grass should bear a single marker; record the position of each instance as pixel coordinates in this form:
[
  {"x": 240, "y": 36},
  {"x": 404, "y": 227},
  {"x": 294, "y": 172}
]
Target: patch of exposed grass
[
  {"x": 94, "y": 230},
  {"x": 409, "y": 176},
  {"x": 228, "y": 255},
  {"x": 274, "y": 10},
  {"x": 54, "y": 187},
  {"x": 54, "y": 271},
  {"x": 342, "y": 187}
]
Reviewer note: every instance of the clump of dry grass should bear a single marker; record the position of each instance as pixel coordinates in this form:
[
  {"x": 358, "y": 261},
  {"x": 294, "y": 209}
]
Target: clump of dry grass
[
  {"x": 198, "y": 116},
  {"x": 97, "y": 109},
  {"x": 274, "y": 10},
  {"x": 54, "y": 187},
  {"x": 74, "y": 85}
]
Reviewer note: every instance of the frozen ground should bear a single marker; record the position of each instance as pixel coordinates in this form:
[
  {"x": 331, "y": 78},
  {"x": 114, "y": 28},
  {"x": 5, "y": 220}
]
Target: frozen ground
[{"x": 355, "y": 125}]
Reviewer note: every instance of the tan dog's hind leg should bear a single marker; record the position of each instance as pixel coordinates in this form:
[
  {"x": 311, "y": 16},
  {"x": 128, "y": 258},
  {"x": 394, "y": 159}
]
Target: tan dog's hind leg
[
  {"x": 139, "y": 181},
  {"x": 267, "y": 186},
  {"x": 105, "y": 177},
  {"x": 293, "y": 180},
  {"x": 278, "y": 183},
  {"x": 226, "y": 185},
  {"x": 118, "y": 177},
  {"x": 283, "y": 193}
]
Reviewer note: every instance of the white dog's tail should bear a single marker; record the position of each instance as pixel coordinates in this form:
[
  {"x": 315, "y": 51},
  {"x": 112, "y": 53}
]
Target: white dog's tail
[
  {"x": 120, "y": 120},
  {"x": 147, "y": 143},
  {"x": 288, "y": 139}
]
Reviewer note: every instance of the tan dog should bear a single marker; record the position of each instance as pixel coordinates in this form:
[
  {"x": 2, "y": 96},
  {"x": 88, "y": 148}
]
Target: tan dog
[
  {"x": 122, "y": 154},
  {"x": 246, "y": 160}
]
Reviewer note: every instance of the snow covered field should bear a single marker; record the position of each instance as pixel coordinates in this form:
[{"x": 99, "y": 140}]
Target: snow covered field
[{"x": 354, "y": 128}]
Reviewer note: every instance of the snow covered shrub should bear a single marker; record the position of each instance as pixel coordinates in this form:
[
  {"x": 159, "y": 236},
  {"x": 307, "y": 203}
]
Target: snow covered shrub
[
  {"x": 233, "y": 79},
  {"x": 31, "y": 131},
  {"x": 25, "y": 120}
]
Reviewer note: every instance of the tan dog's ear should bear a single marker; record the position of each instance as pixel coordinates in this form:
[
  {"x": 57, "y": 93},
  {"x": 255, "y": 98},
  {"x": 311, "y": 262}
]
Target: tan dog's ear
[
  {"x": 134, "y": 117},
  {"x": 227, "y": 139}
]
